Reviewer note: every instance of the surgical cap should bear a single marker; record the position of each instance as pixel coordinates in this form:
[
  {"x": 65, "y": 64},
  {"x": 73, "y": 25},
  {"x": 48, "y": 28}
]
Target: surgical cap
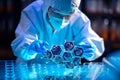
[{"x": 65, "y": 5}]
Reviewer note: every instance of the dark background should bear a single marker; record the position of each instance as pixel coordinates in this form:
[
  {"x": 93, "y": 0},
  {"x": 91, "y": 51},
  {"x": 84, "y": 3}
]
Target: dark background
[{"x": 104, "y": 16}]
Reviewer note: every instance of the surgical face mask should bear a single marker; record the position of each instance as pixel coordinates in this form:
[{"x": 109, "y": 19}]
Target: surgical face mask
[{"x": 57, "y": 23}]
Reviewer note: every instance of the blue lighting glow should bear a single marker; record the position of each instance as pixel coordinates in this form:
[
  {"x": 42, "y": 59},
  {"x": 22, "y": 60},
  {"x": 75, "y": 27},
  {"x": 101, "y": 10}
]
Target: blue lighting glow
[{"x": 9, "y": 70}]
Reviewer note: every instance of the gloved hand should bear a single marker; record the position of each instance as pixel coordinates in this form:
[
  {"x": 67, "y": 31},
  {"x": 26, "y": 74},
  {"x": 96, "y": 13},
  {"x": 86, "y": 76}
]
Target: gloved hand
[
  {"x": 88, "y": 49},
  {"x": 39, "y": 46}
]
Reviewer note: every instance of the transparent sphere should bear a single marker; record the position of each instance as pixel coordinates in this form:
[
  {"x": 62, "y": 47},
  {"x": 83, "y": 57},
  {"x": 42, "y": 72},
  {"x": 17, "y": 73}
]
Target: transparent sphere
[
  {"x": 58, "y": 59},
  {"x": 77, "y": 61},
  {"x": 68, "y": 46},
  {"x": 67, "y": 56},
  {"x": 56, "y": 50},
  {"x": 78, "y": 51}
]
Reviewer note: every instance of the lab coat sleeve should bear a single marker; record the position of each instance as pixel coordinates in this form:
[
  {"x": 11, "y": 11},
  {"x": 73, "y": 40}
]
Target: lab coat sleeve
[
  {"x": 25, "y": 35},
  {"x": 86, "y": 34}
]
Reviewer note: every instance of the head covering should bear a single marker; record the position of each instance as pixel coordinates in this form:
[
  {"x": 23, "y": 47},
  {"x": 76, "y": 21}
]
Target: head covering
[{"x": 63, "y": 6}]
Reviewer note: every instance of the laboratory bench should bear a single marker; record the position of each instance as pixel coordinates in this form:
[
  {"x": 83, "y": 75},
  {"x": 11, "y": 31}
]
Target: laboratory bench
[{"x": 107, "y": 69}]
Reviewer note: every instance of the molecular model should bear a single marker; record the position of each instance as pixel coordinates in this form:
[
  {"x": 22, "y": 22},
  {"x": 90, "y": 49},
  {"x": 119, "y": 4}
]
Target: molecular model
[{"x": 67, "y": 54}]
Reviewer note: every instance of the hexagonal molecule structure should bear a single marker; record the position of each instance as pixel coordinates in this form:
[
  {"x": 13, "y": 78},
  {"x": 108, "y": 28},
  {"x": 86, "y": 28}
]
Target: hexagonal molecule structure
[
  {"x": 78, "y": 51},
  {"x": 56, "y": 50},
  {"x": 58, "y": 59},
  {"x": 77, "y": 61},
  {"x": 68, "y": 54},
  {"x": 68, "y": 46},
  {"x": 67, "y": 57}
]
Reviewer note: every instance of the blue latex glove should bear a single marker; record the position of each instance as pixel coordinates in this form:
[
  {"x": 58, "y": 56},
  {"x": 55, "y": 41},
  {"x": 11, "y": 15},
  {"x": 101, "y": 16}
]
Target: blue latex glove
[
  {"x": 39, "y": 46},
  {"x": 88, "y": 49}
]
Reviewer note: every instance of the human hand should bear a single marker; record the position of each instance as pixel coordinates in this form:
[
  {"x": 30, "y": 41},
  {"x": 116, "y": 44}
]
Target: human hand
[
  {"x": 39, "y": 46},
  {"x": 88, "y": 49}
]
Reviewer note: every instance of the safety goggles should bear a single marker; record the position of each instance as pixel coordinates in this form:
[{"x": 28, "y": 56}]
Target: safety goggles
[{"x": 59, "y": 14}]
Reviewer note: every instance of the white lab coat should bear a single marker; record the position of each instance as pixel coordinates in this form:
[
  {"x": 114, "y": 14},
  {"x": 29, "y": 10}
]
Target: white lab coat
[{"x": 34, "y": 26}]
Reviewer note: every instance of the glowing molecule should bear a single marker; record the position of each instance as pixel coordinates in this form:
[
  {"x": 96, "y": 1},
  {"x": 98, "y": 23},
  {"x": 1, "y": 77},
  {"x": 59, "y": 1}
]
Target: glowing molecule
[
  {"x": 77, "y": 61},
  {"x": 58, "y": 59},
  {"x": 78, "y": 51},
  {"x": 68, "y": 46},
  {"x": 67, "y": 56},
  {"x": 56, "y": 50}
]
